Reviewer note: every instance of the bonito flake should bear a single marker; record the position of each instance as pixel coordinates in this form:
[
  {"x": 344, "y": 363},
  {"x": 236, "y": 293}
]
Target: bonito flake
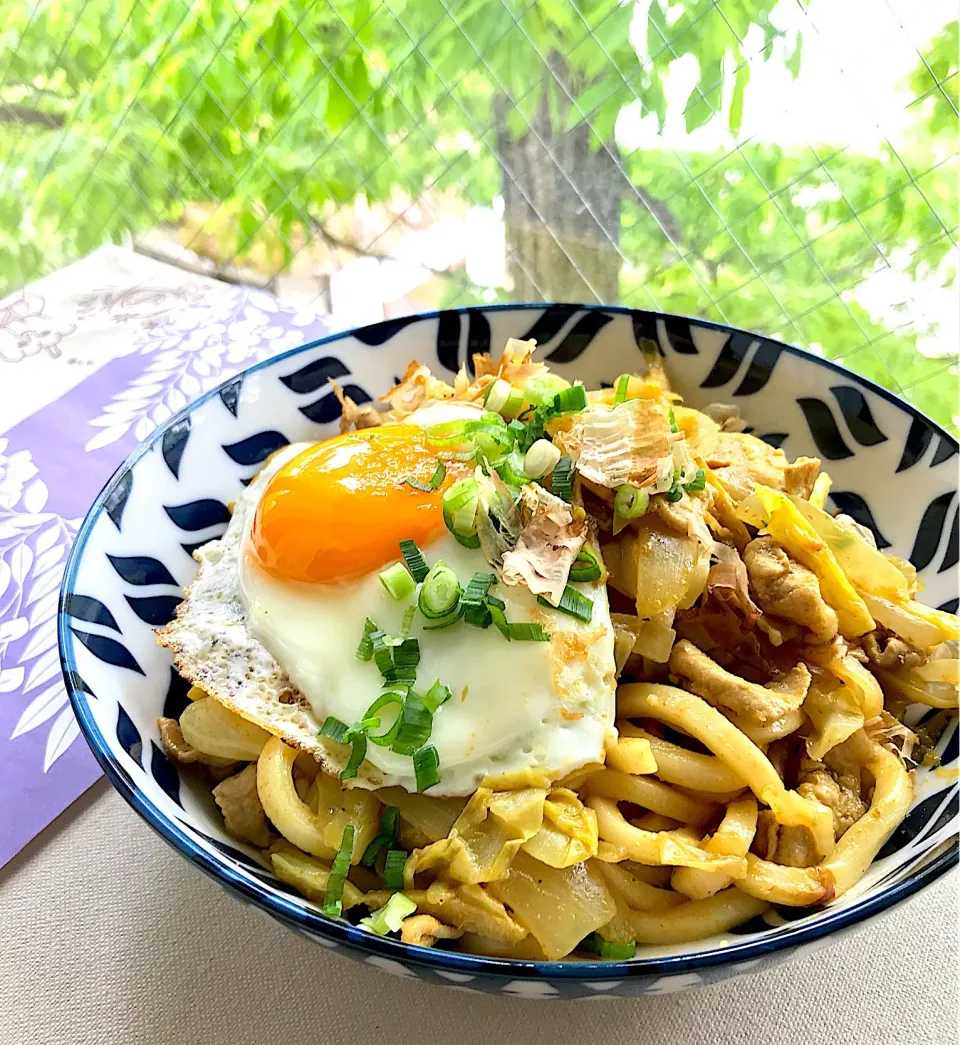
[{"x": 629, "y": 444}]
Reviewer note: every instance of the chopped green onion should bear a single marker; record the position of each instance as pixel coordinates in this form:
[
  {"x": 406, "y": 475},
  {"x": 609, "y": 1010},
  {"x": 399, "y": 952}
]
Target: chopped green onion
[
  {"x": 497, "y": 393},
  {"x": 365, "y": 649},
  {"x": 477, "y": 614},
  {"x": 698, "y": 482},
  {"x": 596, "y": 944},
  {"x": 616, "y": 951},
  {"x": 620, "y": 388},
  {"x": 499, "y": 431},
  {"x": 445, "y": 622},
  {"x": 332, "y": 906},
  {"x": 390, "y": 699},
  {"x": 358, "y": 752},
  {"x": 474, "y": 598},
  {"x": 480, "y": 584},
  {"x": 676, "y": 490},
  {"x": 460, "y": 503},
  {"x": 524, "y": 631},
  {"x": 382, "y": 652},
  {"x": 586, "y": 567},
  {"x": 496, "y": 609},
  {"x": 416, "y": 724},
  {"x": 334, "y": 729},
  {"x": 543, "y": 388},
  {"x": 460, "y": 494},
  {"x": 426, "y": 766},
  {"x": 449, "y": 433},
  {"x": 462, "y": 455},
  {"x": 393, "y": 868},
  {"x": 511, "y": 470},
  {"x": 396, "y": 660},
  {"x": 436, "y": 479},
  {"x": 389, "y": 918},
  {"x": 561, "y": 484},
  {"x": 504, "y": 398},
  {"x": 541, "y": 458},
  {"x": 513, "y": 632},
  {"x": 492, "y": 437},
  {"x": 467, "y": 540},
  {"x": 406, "y": 657},
  {"x": 672, "y": 418},
  {"x": 436, "y": 696},
  {"x": 398, "y": 582},
  {"x": 533, "y": 431},
  {"x": 570, "y": 400},
  {"x": 407, "y": 623},
  {"x": 440, "y": 592},
  {"x": 630, "y": 501},
  {"x": 572, "y": 603},
  {"x": 389, "y": 829},
  {"x": 418, "y": 485},
  {"x": 414, "y": 559}
]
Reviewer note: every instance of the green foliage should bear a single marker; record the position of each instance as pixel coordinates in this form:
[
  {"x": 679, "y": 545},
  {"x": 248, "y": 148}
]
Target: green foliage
[
  {"x": 935, "y": 83},
  {"x": 268, "y": 120},
  {"x": 294, "y": 109},
  {"x": 780, "y": 242}
]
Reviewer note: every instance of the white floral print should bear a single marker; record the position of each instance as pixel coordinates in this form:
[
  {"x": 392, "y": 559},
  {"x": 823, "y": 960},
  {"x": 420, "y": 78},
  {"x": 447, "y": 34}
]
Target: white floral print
[
  {"x": 33, "y": 549},
  {"x": 192, "y": 350}
]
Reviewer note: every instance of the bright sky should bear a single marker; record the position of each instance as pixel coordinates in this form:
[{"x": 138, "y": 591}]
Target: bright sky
[
  {"x": 856, "y": 54},
  {"x": 850, "y": 91}
]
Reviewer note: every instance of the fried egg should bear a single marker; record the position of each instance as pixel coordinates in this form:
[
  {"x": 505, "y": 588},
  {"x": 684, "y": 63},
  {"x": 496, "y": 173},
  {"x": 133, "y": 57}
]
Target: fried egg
[{"x": 272, "y": 623}]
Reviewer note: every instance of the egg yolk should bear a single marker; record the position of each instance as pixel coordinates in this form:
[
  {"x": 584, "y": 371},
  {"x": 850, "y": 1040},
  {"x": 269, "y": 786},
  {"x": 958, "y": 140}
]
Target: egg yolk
[{"x": 338, "y": 510}]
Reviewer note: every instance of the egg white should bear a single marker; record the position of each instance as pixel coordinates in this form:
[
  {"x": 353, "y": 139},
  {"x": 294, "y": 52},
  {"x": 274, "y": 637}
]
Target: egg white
[{"x": 515, "y": 705}]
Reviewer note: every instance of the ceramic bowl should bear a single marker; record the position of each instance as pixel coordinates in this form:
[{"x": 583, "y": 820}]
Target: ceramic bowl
[{"x": 893, "y": 470}]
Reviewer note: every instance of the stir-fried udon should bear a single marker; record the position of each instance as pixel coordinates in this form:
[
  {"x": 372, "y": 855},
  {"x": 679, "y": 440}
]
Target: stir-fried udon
[{"x": 532, "y": 671}]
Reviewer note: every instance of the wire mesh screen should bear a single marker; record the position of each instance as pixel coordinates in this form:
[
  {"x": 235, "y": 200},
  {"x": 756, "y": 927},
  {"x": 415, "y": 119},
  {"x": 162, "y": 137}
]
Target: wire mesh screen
[{"x": 783, "y": 166}]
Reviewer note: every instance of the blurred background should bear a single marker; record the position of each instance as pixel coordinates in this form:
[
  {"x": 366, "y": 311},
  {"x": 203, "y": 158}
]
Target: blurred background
[{"x": 787, "y": 167}]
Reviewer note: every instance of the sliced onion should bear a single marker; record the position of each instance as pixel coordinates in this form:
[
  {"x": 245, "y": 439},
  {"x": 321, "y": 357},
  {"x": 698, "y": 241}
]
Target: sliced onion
[
  {"x": 558, "y": 907},
  {"x": 652, "y": 638},
  {"x": 623, "y": 639},
  {"x": 917, "y": 624},
  {"x": 910, "y": 684},
  {"x": 698, "y": 580},
  {"x": 855, "y": 549},
  {"x": 939, "y": 671},
  {"x": 653, "y": 564}
]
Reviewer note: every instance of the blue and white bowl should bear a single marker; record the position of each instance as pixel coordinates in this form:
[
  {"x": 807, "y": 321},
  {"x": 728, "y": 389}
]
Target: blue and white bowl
[{"x": 893, "y": 469}]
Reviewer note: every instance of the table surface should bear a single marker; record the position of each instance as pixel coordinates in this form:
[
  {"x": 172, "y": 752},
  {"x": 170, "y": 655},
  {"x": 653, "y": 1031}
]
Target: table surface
[
  {"x": 109, "y": 936},
  {"x": 112, "y": 938}
]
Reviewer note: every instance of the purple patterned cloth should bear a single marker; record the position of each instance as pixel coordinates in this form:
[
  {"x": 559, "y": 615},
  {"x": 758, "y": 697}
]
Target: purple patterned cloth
[{"x": 105, "y": 351}]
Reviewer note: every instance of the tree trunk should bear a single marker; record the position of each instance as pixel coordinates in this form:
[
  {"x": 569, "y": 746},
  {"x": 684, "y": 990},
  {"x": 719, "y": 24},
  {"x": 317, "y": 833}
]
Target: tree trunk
[{"x": 562, "y": 211}]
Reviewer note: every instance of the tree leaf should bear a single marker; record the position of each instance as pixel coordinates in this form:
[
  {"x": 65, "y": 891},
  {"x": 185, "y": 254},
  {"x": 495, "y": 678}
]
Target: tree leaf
[
  {"x": 705, "y": 99},
  {"x": 740, "y": 82},
  {"x": 340, "y": 106},
  {"x": 792, "y": 61}
]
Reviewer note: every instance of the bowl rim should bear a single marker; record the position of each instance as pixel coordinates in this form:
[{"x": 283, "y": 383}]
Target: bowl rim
[{"x": 295, "y": 912}]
